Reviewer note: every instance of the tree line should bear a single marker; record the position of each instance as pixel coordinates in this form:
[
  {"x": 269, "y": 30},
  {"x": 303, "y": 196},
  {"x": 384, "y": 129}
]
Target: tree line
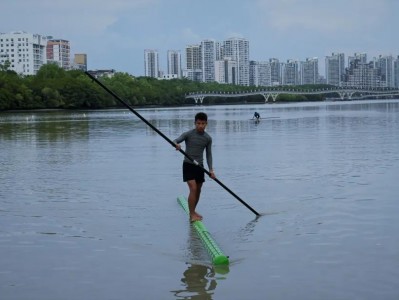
[{"x": 55, "y": 88}]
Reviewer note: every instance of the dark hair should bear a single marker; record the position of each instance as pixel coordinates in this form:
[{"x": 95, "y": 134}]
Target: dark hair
[{"x": 201, "y": 116}]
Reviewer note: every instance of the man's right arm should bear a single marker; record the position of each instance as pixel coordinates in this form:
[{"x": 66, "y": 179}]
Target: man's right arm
[{"x": 180, "y": 139}]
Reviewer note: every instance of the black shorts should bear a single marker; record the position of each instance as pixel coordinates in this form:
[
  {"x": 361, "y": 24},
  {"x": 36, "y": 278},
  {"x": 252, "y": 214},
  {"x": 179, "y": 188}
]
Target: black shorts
[{"x": 193, "y": 172}]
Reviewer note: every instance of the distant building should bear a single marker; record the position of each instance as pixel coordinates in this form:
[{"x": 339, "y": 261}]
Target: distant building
[
  {"x": 237, "y": 49},
  {"x": 360, "y": 57},
  {"x": 174, "y": 63},
  {"x": 208, "y": 55},
  {"x": 226, "y": 71},
  {"x": 363, "y": 75},
  {"x": 335, "y": 69},
  {"x": 220, "y": 71},
  {"x": 193, "y": 70},
  {"x": 219, "y": 51},
  {"x": 322, "y": 79},
  {"x": 396, "y": 72},
  {"x": 59, "y": 52},
  {"x": 100, "y": 73},
  {"x": 260, "y": 73},
  {"x": 386, "y": 66},
  {"x": 80, "y": 62},
  {"x": 290, "y": 73},
  {"x": 275, "y": 71},
  {"x": 310, "y": 71},
  {"x": 26, "y": 52},
  {"x": 151, "y": 63},
  {"x": 194, "y": 75},
  {"x": 169, "y": 76},
  {"x": 224, "y": 62},
  {"x": 193, "y": 57}
]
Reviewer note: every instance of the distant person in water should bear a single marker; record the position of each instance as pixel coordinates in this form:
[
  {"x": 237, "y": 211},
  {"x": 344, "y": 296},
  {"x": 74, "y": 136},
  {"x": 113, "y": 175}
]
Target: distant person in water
[
  {"x": 256, "y": 116},
  {"x": 196, "y": 141}
]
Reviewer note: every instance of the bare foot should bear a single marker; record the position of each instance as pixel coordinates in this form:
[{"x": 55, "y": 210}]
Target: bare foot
[
  {"x": 197, "y": 214},
  {"x": 195, "y": 217}
]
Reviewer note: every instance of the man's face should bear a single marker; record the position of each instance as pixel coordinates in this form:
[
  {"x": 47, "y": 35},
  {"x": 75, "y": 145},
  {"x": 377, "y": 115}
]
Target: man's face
[{"x": 200, "y": 125}]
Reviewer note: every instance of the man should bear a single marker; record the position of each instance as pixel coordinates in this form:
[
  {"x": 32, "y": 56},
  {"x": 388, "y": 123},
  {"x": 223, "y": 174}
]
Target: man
[
  {"x": 196, "y": 140},
  {"x": 256, "y": 116}
]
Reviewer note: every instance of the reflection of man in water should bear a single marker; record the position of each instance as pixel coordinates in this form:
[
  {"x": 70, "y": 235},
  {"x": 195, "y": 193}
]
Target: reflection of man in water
[{"x": 199, "y": 281}]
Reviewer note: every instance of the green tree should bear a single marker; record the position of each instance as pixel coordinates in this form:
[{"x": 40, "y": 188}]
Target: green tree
[
  {"x": 52, "y": 98},
  {"x": 6, "y": 66},
  {"x": 53, "y": 87}
]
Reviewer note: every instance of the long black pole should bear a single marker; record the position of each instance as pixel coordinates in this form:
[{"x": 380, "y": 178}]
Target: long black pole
[{"x": 169, "y": 141}]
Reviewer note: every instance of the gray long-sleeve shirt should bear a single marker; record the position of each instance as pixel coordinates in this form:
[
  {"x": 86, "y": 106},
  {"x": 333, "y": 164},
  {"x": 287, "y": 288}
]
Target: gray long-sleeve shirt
[{"x": 196, "y": 143}]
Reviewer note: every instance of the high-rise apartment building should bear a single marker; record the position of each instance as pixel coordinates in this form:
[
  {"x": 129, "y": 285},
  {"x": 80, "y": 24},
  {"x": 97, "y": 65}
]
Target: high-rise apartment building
[
  {"x": 193, "y": 70},
  {"x": 193, "y": 57},
  {"x": 363, "y": 75},
  {"x": 237, "y": 49},
  {"x": 396, "y": 72},
  {"x": 335, "y": 69},
  {"x": 25, "y": 52},
  {"x": 361, "y": 57},
  {"x": 208, "y": 55},
  {"x": 225, "y": 71},
  {"x": 386, "y": 66},
  {"x": 275, "y": 71},
  {"x": 58, "y": 51},
  {"x": 220, "y": 71},
  {"x": 174, "y": 63},
  {"x": 290, "y": 73},
  {"x": 253, "y": 73},
  {"x": 219, "y": 50},
  {"x": 260, "y": 73},
  {"x": 151, "y": 63},
  {"x": 310, "y": 71}
]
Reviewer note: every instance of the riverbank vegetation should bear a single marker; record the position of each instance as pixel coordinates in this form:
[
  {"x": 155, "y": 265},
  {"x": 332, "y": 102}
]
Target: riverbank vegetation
[{"x": 54, "y": 88}]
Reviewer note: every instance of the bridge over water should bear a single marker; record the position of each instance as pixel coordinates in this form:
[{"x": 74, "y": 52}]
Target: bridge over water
[{"x": 343, "y": 92}]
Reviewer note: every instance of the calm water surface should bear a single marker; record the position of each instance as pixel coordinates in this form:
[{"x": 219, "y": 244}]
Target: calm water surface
[{"x": 88, "y": 204}]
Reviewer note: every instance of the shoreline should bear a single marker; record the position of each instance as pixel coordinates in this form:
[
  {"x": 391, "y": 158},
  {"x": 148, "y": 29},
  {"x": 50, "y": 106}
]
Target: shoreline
[{"x": 190, "y": 105}]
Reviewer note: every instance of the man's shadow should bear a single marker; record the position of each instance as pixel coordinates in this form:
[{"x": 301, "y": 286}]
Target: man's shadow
[{"x": 198, "y": 281}]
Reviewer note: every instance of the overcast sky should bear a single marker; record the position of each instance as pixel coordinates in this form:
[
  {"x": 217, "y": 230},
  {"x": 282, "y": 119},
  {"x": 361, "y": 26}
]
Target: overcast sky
[{"x": 114, "y": 33}]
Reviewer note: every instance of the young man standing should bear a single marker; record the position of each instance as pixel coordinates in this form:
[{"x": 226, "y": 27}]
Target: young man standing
[{"x": 196, "y": 140}]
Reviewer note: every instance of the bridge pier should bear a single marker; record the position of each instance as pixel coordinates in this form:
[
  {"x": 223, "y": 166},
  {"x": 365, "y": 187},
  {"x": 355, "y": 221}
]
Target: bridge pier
[
  {"x": 200, "y": 99},
  {"x": 274, "y": 96},
  {"x": 347, "y": 94},
  {"x": 266, "y": 96}
]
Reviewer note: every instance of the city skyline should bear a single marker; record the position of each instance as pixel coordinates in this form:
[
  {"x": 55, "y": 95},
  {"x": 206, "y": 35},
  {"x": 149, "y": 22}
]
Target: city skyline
[
  {"x": 114, "y": 34},
  {"x": 221, "y": 61},
  {"x": 228, "y": 62}
]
